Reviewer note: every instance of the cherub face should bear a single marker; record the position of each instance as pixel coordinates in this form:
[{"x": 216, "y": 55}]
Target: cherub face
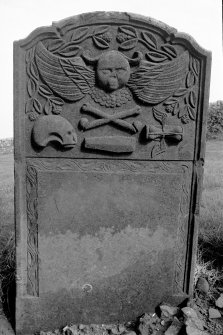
[{"x": 113, "y": 71}]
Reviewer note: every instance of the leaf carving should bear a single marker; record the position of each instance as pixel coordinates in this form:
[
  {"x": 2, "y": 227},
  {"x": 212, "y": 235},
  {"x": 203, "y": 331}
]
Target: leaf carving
[
  {"x": 100, "y": 42},
  {"x": 160, "y": 116},
  {"x": 79, "y": 34},
  {"x": 162, "y": 144},
  {"x": 158, "y": 149},
  {"x": 45, "y": 91},
  {"x": 156, "y": 57},
  {"x": 150, "y": 39},
  {"x": 195, "y": 65},
  {"x": 34, "y": 70},
  {"x": 128, "y": 30},
  {"x": 129, "y": 44},
  {"x": 55, "y": 44},
  {"x": 31, "y": 87},
  {"x": 29, "y": 55},
  {"x": 176, "y": 109},
  {"x": 190, "y": 79},
  {"x": 191, "y": 112},
  {"x": 101, "y": 30},
  {"x": 192, "y": 99},
  {"x": 37, "y": 106},
  {"x": 168, "y": 48},
  {"x": 48, "y": 107},
  {"x": 68, "y": 50}
]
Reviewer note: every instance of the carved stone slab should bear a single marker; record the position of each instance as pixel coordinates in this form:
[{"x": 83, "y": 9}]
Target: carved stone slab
[{"x": 109, "y": 116}]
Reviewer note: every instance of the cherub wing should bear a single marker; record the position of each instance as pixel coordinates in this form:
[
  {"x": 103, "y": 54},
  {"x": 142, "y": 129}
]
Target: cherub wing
[
  {"x": 153, "y": 84},
  {"x": 70, "y": 78}
]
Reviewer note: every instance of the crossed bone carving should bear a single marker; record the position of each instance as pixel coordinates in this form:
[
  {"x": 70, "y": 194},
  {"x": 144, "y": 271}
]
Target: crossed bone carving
[{"x": 106, "y": 118}]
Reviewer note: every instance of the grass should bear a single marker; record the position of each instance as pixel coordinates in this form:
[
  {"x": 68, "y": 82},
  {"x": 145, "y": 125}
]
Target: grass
[
  {"x": 212, "y": 196},
  {"x": 7, "y": 241},
  {"x": 6, "y": 195},
  {"x": 211, "y": 213}
]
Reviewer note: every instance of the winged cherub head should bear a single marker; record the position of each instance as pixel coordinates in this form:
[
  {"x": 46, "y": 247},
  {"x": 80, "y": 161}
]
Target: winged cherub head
[
  {"x": 113, "y": 71},
  {"x": 73, "y": 78}
]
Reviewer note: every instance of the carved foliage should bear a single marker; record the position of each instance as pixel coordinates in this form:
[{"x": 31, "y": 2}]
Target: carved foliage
[
  {"x": 187, "y": 94},
  {"x": 100, "y": 36},
  {"x": 35, "y": 89},
  {"x": 128, "y": 37},
  {"x": 181, "y": 243},
  {"x": 32, "y": 231}
]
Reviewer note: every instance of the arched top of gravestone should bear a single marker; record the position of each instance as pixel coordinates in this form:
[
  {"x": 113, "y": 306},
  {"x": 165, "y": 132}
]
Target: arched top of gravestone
[
  {"x": 121, "y": 83},
  {"x": 63, "y": 27}
]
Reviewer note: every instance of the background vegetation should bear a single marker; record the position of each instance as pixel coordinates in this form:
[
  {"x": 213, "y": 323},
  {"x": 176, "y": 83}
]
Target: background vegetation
[{"x": 215, "y": 121}]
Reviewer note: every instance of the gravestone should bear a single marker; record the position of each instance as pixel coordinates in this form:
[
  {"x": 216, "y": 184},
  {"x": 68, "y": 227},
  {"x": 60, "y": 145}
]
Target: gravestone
[{"x": 109, "y": 114}]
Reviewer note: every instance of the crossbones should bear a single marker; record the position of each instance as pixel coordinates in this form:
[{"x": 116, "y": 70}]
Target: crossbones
[{"x": 106, "y": 118}]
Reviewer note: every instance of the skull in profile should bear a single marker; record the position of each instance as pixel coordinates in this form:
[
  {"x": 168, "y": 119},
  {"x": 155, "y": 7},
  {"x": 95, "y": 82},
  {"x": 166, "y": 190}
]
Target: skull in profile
[{"x": 54, "y": 128}]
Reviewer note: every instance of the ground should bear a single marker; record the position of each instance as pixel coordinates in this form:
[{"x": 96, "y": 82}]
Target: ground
[{"x": 210, "y": 258}]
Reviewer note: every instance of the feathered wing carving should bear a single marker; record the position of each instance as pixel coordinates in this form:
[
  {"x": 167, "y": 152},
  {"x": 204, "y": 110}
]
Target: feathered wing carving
[
  {"x": 155, "y": 83},
  {"x": 70, "y": 78}
]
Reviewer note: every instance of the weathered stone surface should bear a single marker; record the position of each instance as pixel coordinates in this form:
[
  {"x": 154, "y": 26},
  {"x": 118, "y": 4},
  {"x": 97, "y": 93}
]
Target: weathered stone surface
[
  {"x": 109, "y": 145},
  {"x": 118, "y": 144}
]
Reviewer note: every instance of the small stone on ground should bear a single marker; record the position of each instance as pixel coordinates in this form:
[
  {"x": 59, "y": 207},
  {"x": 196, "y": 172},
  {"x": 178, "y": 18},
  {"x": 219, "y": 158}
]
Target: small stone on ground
[
  {"x": 214, "y": 313},
  {"x": 174, "y": 328},
  {"x": 202, "y": 285},
  {"x": 168, "y": 311},
  {"x": 5, "y": 327},
  {"x": 219, "y": 301}
]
